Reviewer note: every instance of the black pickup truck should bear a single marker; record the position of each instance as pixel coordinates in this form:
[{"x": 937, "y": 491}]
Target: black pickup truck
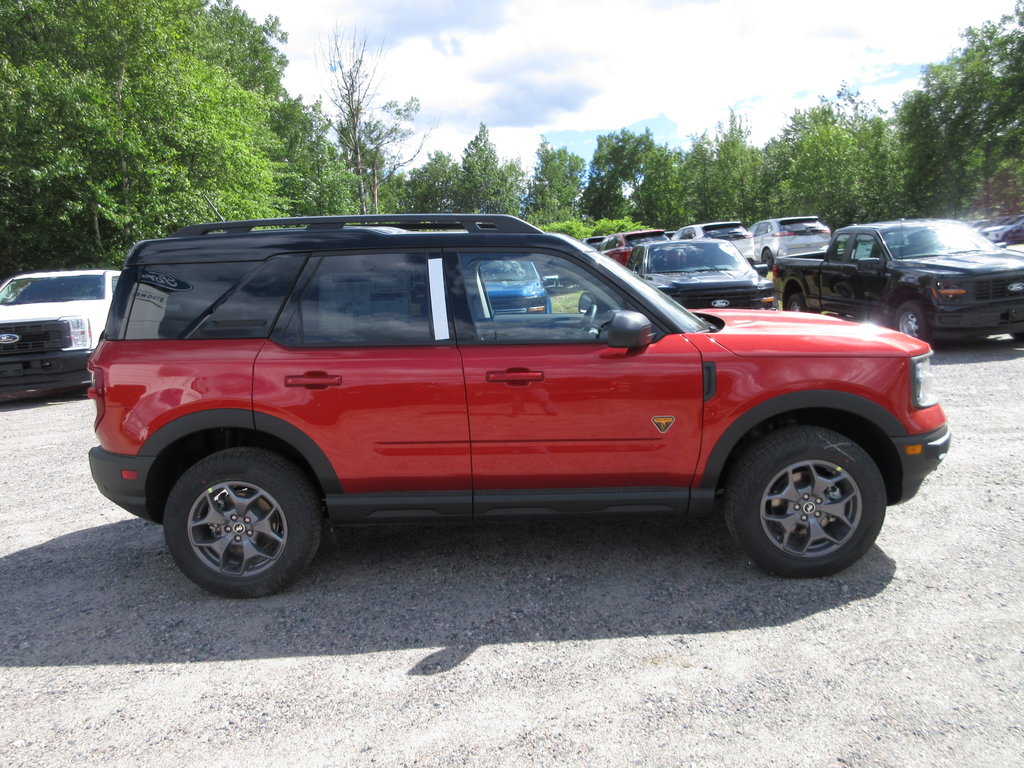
[{"x": 928, "y": 278}]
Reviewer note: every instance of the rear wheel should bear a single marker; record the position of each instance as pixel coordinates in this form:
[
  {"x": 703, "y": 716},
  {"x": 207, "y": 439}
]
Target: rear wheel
[
  {"x": 243, "y": 522},
  {"x": 766, "y": 257},
  {"x": 805, "y": 501},
  {"x": 796, "y": 302}
]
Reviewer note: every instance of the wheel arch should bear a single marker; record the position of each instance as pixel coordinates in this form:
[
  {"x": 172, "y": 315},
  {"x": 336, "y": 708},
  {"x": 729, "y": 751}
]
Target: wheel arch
[
  {"x": 181, "y": 443},
  {"x": 866, "y": 423}
]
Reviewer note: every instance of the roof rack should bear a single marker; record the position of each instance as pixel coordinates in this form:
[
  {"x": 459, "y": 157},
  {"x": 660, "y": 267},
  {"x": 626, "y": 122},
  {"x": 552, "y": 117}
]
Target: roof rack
[{"x": 468, "y": 222}]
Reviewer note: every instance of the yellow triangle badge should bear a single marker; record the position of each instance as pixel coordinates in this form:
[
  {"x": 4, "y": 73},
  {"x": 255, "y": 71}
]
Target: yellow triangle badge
[{"x": 663, "y": 422}]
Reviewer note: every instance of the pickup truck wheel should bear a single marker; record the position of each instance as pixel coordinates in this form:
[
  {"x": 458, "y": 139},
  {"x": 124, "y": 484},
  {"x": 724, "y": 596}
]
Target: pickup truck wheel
[
  {"x": 243, "y": 522},
  {"x": 804, "y": 502},
  {"x": 796, "y": 302},
  {"x": 910, "y": 319}
]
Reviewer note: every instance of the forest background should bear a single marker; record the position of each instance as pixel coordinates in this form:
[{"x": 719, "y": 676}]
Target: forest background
[{"x": 122, "y": 120}]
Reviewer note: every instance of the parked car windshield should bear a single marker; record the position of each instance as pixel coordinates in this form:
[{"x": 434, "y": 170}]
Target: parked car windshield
[
  {"x": 509, "y": 271},
  {"x": 911, "y": 240},
  {"x": 40, "y": 290},
  {"x": 696, "y": 256},
  {"x": 684, "y": 320}
]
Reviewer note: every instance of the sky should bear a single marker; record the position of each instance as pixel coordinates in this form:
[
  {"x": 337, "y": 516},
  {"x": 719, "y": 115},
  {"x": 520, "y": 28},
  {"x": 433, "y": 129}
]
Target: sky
[{"x": 572, "y": 70}]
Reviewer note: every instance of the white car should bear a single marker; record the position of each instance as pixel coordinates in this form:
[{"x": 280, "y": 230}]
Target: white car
[
  {"x": 790, "y": 236},
  {"x": 50, "y": 322},
  {"x": 733, "y": 231}
]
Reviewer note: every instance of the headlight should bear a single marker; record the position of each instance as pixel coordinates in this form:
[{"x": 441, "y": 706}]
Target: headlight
[
  {"x": 81, "y": 337},
  {"x": 922, "y": 382},
  {"x": 948, "y": 290}
]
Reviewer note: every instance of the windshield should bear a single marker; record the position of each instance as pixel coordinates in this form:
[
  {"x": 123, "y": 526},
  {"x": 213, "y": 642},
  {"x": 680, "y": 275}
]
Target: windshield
[
  {"x": 695, "y": 256},
  {"x": 41, "y": 290},
  {"x": 933, "y": 239},
  {"x": 509, "y": 271}
]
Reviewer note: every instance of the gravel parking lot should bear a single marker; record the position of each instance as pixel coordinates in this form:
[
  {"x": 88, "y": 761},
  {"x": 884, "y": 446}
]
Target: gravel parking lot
[{"x": 609, "y": 643}]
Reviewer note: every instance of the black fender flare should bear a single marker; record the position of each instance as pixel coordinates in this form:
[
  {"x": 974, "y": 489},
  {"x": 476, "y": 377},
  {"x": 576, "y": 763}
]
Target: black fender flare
[
  {"x": 239, "y": 418},
  {"x": 819, "y": 399}
]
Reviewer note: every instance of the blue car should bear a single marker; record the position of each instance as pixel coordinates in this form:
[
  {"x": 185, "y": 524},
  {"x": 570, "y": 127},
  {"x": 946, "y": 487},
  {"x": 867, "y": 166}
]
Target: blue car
[{"x": 514, "y": 287}]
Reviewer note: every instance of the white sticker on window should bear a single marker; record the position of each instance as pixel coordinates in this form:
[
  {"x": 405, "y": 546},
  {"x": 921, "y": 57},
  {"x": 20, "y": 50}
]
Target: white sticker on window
[{"x": 438, "y": 300}]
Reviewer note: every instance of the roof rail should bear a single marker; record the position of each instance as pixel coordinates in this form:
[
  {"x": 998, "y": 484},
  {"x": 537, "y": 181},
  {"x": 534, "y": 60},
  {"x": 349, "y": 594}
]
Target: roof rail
[{"x": 416, "y": 222}]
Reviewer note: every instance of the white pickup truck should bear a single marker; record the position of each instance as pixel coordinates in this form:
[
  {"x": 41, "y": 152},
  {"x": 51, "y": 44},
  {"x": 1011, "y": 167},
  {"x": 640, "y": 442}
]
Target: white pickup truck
[{"x": 50, "y": 322}]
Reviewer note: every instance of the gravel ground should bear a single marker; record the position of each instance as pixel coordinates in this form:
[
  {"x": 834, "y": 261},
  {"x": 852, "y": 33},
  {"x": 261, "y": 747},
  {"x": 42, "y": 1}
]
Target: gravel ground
[{"x": 546, "y": 644}]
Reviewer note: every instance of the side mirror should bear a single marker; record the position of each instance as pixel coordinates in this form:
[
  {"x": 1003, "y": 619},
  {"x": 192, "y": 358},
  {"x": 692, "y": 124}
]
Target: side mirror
[
  {"x": 761, "y": 268},
  {"x": 629, "y": 330}
]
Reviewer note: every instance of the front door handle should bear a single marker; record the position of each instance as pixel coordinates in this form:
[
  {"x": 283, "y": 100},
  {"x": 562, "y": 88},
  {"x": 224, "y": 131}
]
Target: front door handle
[
  {"x": 515, "y": 376},
  {"x": 313, "y": 380}
]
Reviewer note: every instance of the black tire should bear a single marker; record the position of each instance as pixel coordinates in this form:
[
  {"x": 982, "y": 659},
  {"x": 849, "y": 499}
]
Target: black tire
[
  {"x": 910, "y": 319},
  {"x": 796, "y": 302},
  {"x": 804, "y": 502},
  {"x": 766, "y": 257},
  {"x": 243, "y": 522}
]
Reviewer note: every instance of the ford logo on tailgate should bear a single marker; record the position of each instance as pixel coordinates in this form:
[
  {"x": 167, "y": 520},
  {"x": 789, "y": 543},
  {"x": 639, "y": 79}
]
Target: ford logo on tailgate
[{"x": 9, "y": 338}]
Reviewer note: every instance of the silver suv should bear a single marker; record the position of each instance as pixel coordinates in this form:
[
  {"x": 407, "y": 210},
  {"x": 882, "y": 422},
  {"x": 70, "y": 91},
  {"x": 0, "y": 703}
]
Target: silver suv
[
  {"x": 733, "y": 231},
  {"x": 791, "y": 236}
]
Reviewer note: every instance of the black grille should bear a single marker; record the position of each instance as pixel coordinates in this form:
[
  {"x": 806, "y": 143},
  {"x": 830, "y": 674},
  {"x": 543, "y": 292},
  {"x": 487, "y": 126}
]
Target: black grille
[
  {"x": 43, "y": 336},
  {"x": 736, "y": 299},
  {"x": 998, "y": 288}
]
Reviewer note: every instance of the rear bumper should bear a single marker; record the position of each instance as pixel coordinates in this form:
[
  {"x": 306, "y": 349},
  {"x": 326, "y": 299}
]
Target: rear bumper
[
  {"x": 122, "y": 479},
  {"x": 35, "y": 374},
  {"x": 919, "y": 456}
]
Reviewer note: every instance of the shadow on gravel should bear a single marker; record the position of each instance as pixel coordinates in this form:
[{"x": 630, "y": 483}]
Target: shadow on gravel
[
  {"x": 22, "y": 402},
  {"x": 988, "y": 350},
  {"x": 112, "y": 595}
]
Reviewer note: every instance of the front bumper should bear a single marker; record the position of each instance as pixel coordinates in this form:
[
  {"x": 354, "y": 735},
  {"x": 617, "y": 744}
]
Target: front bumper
[
  {"x": 919, "y": 456},
  {"x": 978, "y": 320},
  {"x": 36, "y": 374}
]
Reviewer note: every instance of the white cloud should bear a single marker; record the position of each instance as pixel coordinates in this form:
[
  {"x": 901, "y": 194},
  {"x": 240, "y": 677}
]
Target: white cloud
[{"x": 526, "y": 68}]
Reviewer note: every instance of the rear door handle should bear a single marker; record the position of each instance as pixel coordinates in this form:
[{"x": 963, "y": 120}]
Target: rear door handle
[
  {"x": 313, "y": 380},
  {"x": 515, "y": 377}
]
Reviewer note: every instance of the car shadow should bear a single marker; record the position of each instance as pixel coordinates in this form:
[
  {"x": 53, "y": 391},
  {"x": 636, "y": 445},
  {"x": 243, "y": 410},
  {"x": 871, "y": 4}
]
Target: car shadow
[
  {"x": 19, "y": 401},
  {"x": 988, "y": 350},
  {"x": 112, "y": 595}
]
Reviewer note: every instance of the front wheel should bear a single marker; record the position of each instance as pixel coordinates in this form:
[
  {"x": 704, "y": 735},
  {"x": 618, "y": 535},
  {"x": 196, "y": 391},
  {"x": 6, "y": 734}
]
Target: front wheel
[
  {"x": 910, "y": 319},
  {"x": 804, "y": 502},
  {"x": 243, "y": 522}
]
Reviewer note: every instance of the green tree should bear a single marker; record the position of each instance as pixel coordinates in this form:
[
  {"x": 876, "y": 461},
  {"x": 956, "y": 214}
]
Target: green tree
[
  {"x": 962, "y": 133},
  {"x": 553, "y": 192},
  {"x": 122, "y": 123},
  {"x": 433, "y": 187},
  {"x": 486, "y": 184}
]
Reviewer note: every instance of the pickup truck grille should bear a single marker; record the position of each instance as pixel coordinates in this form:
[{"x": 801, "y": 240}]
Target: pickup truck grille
[
  {"x": 45, "y": 336},
  {"x": 998, "y": 288},
  {"x": 743, "y": 299}
]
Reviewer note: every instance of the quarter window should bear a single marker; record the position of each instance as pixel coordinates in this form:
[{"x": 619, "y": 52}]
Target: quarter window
[{"x": 367, "y": 300}]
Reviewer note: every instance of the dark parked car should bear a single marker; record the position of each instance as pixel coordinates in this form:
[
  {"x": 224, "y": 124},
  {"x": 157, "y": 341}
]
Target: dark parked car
[
  {"x": 928, "y": 278},
  {"x": 703, "y": 273},
  {"x": 619, "y": 245}
]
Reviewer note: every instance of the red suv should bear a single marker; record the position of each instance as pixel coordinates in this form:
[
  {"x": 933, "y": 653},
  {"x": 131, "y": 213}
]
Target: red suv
[
  {"x": 620, "y": 245},
  {"x": 258, "y": 377}
]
